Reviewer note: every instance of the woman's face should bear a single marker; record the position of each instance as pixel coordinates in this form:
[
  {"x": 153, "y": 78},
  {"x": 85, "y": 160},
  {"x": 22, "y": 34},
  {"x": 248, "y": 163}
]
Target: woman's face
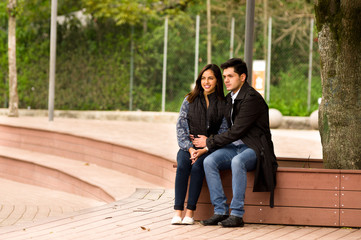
[{"x": 208, "y": 82}]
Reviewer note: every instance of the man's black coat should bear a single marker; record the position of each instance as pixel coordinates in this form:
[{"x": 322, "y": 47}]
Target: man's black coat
[{"x": 251, "y": 124}]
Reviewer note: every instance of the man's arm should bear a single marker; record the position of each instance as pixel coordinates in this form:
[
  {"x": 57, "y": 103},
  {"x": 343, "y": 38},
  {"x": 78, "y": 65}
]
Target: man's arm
[{"x": 247, "y": 115}]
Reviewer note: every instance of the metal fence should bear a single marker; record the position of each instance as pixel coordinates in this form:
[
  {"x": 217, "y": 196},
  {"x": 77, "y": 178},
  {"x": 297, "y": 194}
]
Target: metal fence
[
  {"x": 164, "y": 57},
  {"x": 290, "y": 57}
]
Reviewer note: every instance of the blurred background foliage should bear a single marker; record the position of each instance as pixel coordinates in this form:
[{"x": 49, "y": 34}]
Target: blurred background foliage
[{"x": 93, "y": 55}]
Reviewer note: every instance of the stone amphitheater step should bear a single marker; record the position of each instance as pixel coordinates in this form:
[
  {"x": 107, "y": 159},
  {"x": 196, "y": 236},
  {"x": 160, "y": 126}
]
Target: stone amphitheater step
[
  {"x": 92, "y": 149},
  {"x": 73, "y": 176}
]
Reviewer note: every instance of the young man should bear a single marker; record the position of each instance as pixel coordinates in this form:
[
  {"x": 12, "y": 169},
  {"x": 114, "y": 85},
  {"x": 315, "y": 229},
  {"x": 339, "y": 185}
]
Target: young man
[{"x": 246, "y": 146}]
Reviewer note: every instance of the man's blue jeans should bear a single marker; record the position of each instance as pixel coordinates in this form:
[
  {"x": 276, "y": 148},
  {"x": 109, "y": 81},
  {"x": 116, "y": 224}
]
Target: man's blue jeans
[
  {"x": 239, "y": 159},
  {"x": 196, "y": 173}
]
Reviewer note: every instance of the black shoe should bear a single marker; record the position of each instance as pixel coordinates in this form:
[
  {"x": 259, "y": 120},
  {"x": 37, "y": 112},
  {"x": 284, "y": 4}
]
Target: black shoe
[
  {"x": 214, "y": 220},
  {"x": 232, "y": 221}
]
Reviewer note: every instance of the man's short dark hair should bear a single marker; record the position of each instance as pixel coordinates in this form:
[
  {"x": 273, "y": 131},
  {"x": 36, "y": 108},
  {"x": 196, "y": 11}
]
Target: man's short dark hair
[{"x": 238, "y": 64}]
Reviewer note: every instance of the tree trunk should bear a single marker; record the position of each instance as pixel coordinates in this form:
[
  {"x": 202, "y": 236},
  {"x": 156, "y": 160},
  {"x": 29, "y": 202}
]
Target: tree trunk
[
  {"x": 338, "y": 23},
  {"x": 13, "y": 98}
]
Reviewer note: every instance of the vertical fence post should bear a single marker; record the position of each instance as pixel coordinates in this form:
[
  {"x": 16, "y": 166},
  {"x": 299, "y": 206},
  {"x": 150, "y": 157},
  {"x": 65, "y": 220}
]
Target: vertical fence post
[
  {"x": 231, "y": 48},
  {"x": 269, "y": 52},
  {"x": 209, "y": 33},
  {"x": 248, "y": 48},
  {"x": 310, "y": 67},
  {"x": 196, "y": 55},
  {"x": 164, "y": 62},
  {"x": 54, "y": 7},
  {"x": 131, "y": 69}
]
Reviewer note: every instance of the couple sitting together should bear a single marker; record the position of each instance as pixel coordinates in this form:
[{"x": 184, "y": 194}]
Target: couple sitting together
[{"x": 215, "y": 133}]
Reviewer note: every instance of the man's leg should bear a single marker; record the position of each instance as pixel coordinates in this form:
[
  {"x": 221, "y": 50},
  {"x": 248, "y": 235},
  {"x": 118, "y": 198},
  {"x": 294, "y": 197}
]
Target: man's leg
[
  {"x": 213, "y": 163},
  {"x": 245, "y": 160}
]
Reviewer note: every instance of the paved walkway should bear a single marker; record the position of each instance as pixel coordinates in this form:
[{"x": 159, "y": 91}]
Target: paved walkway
[{"x": 146, "y": 213}]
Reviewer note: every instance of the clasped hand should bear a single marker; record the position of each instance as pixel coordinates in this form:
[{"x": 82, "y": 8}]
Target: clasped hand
[{"x": 199, "y": 142}]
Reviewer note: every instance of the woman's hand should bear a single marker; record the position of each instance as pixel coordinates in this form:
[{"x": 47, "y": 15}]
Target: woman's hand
[
  {"x": 197, "y": 153},
  {"x": 193, "y": 154}
]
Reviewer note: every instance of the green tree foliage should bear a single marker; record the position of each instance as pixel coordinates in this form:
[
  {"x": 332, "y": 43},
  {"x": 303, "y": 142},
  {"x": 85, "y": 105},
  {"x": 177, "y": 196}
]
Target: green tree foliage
[
  {"x": 3, "y": 56},
  {"x": 134, "y": 11},
  {"x": 93, "y": 60}
]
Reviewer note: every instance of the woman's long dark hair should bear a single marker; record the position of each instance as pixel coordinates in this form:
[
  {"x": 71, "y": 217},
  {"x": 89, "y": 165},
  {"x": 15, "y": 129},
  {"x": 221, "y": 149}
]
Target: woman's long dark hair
[{"x": 198, "y": 87}]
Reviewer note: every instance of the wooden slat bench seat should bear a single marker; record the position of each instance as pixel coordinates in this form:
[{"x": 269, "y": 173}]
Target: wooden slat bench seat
[{"x": 303, "y": 196}]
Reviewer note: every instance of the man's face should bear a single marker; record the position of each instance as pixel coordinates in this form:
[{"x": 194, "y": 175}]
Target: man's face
[{"x": 232, "y": 80}]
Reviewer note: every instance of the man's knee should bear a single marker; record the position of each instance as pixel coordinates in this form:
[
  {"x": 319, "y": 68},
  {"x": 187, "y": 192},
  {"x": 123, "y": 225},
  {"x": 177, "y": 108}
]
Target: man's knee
[
  {"x": 244, "y": 161},
  {"x": 209, "y": 162},
  {"x": 237, "y": 163}
]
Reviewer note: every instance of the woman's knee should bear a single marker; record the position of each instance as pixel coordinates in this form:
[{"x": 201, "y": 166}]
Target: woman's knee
[
  {"x": 197, "y": 168},
  {"x": 183, "y": 161}
]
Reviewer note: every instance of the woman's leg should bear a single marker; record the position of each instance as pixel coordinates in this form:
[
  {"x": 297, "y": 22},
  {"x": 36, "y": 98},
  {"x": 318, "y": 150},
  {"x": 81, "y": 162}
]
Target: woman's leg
[
  {"x": 181, "y": 180},
  {"x": 195, "y": 184}
]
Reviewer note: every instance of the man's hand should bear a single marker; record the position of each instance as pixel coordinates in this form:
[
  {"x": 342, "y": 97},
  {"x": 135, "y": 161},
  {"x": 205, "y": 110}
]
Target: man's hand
[
  {"x": 200, "y": 141},
  {"x": 191, "y": 136}
]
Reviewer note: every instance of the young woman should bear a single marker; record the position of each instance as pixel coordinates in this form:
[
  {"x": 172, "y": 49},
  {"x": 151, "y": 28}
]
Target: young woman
[{"x": 201, "y": 114}]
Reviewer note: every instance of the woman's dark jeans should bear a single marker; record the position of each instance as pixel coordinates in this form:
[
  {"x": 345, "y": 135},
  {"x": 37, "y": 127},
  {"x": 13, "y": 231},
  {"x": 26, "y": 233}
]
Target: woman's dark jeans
[{"x": 196, "y": 172}]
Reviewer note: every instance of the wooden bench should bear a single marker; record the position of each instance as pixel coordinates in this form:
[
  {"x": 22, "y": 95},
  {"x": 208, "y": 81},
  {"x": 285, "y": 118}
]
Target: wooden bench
[{"x": 303, "y": 196}]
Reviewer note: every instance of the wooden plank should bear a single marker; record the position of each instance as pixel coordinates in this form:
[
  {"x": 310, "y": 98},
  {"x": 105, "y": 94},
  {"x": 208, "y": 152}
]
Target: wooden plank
[
  {"x": 280, "y": 215},
  {"x": 350, "y": 218},
  {"x": 308, "y": 179},
  {"x": 203, "y": 211},
  {"x": 350, "y": 199},
  {"x": 298, "y": 233},
  {"x": 295, "y": 198},
  {"x": 283, "y": 197},
  {"x": 350, "y": 180},
  {"x": 292, "y": 216},
  {"x": 319, "y": 233},
  {"x": 300, "y": 178},
  {"x": 339, "y": 234},
  {"x": 300, "y": 162},
  {"x": 260, "y": 233}
]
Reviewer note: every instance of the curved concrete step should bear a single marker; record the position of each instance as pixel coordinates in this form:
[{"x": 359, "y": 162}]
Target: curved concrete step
[
  {"x": 59, "y": 173},
  {"x": 146, "y": 166}
]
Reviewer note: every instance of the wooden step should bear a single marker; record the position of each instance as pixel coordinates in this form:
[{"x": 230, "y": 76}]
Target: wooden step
[{"x": 59, "y": 173}]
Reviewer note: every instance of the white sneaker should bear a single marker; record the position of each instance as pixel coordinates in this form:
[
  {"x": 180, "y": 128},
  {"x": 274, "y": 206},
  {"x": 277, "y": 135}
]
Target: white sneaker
[
  {"x": 188, "y": 221},
  {"x": 176, "y": 220}
]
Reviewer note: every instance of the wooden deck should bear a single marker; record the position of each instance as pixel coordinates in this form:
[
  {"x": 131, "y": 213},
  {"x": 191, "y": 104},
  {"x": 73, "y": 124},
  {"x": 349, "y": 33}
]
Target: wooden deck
[
  {"x": 146, "y": 215},
  {"x": 74, "y": 151}
]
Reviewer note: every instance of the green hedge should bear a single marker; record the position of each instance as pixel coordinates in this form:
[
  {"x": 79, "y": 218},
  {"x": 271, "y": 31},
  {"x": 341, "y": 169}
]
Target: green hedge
[{"x": 93, "y": 65}]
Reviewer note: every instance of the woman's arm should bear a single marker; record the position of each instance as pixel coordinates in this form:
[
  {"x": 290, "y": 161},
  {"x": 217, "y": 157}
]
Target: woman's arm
[
  {"x": 224, "y": 126},
  {"x": 184, "y": 141}
]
